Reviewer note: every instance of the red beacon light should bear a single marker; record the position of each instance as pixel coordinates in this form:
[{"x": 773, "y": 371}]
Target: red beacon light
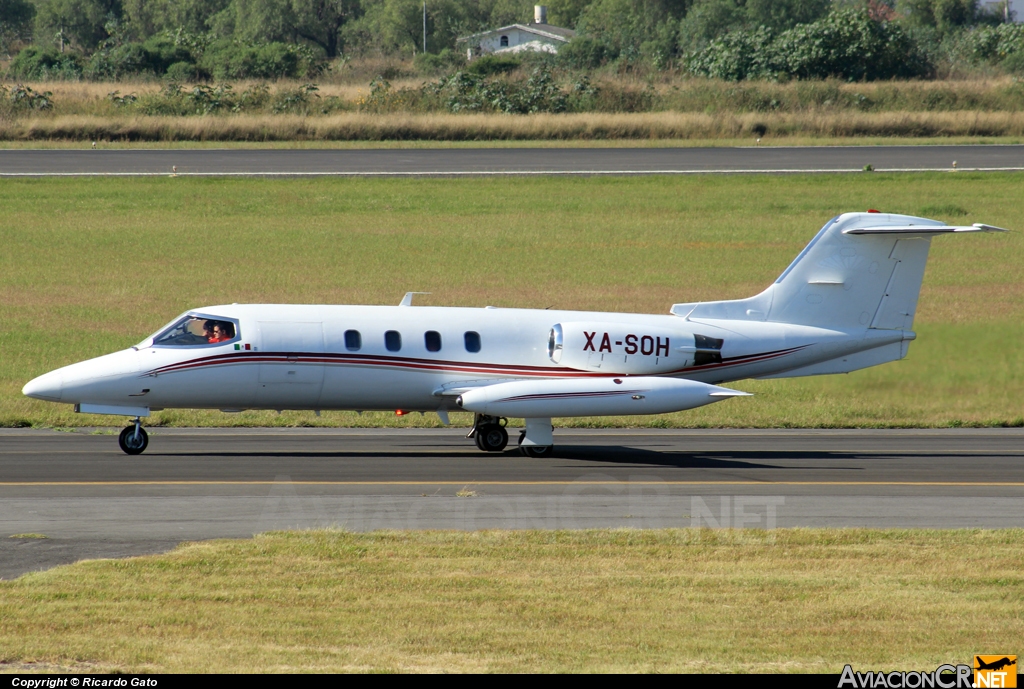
[
  {"x": 872, "y": 210},
  {"x": 400, "y": 412}
]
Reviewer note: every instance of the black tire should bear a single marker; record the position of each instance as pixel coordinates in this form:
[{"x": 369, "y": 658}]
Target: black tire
[
  {"x": 537, "y": 450},
  {"x": 129, "y": 444},
  {"x": 491, "y": 438}
]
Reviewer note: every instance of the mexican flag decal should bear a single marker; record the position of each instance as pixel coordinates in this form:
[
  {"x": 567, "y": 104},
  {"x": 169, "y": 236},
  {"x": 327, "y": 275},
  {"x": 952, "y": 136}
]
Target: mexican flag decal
[{"x": 245, "y": 346}]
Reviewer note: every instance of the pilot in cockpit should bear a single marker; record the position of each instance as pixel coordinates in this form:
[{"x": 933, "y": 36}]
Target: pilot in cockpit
[{"x": 217, "y": 331}]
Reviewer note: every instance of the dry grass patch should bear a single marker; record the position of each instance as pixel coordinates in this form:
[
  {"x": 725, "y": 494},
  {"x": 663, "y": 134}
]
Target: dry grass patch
[
  {"x": 621, "y": 600},
  {"x": 477, "y": 127},
  {"x": 335, "y": 144},
  {"x": 625, "y": 108}
]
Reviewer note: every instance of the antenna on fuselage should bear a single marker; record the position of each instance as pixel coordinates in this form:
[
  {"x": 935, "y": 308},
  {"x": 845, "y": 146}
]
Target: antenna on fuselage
[{"x": 407, "y": 299}]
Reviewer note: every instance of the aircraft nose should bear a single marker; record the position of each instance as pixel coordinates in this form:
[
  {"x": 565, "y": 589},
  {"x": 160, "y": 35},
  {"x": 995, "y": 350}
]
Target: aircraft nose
[{"x": 48, "y": 386}]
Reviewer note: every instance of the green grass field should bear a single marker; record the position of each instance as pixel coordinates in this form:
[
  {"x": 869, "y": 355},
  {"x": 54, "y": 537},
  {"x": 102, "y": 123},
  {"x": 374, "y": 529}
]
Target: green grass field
[
  {"x": 803, "y": 600},
  {"x": 92, "y": 265}
]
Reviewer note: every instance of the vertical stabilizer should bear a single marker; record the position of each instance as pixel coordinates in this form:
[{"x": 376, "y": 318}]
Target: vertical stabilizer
[
  {"x": 862, "y": 270},
  {"x": 844, "y": 280}
]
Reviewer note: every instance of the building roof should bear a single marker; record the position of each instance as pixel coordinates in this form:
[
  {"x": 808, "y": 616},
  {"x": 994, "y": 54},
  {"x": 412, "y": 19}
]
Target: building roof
[{"x": 556, "y": 33}]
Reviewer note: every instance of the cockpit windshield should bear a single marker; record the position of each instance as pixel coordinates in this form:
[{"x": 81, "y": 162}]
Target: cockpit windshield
[{"x": 194, "y": 330}]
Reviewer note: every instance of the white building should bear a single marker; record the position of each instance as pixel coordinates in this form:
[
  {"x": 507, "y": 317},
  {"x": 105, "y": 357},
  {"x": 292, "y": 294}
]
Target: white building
[{"x": 537, "y": 36}]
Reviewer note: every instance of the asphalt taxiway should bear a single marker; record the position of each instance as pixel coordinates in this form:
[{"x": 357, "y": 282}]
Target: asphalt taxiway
[
  {"x": 90, "y": 500},
  {"x": 507, "y": 161}
]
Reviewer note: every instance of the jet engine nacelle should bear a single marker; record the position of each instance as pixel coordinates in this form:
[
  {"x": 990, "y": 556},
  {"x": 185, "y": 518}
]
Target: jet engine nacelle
[
  {"x": 592, "y": 397},
  {"x": 617, "y": 348}
]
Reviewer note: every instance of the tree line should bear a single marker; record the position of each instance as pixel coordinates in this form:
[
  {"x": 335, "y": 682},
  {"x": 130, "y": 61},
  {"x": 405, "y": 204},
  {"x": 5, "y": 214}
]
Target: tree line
[{"x": 731, "y": 39}]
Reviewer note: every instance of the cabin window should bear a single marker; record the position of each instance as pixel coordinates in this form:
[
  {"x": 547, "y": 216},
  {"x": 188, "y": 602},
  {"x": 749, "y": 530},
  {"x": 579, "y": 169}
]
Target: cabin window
[
  {"x": 432, "y": 339},
  {"x": 392, "y": 340},
  {"x": 504, "y": 41},
  {"x": 472, "y": 342},
  {"x": 353, "y": 340},
  {"x": 192, "y": 331}
]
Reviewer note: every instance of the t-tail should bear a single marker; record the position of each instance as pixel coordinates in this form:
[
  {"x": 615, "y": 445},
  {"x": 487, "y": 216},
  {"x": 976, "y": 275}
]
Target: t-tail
[{"x": 861, "y": 272}]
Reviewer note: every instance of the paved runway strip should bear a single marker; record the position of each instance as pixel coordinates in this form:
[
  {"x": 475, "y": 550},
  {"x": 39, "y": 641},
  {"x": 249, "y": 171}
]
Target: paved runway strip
[
  {"x": 507, "y": 161},
  {"x": 90, "y": 500}
]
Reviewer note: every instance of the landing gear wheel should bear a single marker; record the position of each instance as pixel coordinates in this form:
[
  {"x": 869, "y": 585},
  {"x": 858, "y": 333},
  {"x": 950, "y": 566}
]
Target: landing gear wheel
[
  {"x": 132, "y": 444},
  {"x": 534, "y": 450},
  {"x": 491, "y": 438}
]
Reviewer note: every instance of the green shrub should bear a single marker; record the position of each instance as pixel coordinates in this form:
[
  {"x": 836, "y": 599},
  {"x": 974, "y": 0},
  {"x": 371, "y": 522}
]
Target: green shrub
[
  {"x": 465, "y": 92},
  {"x": 584, "y": 52},
  {"x": 199, "y": 99},
  {"x": 845, "y": 45},
  {"x": 225, "y": 59},
  {"x": 489, "y": 65},
  {"x": 22, "y": 97},
  {"x": 39, "y": 64},
  {"x": 1014, "y": 64},
  {"x": 183, "y": 72},
  {"x": 428, "y": 63},
  {"x": 735, "y": 56},
  {"x": 170, "y": 101},
  {"x": 154, "y": 57},
  {"x": 995, "y": 43},
  {"x": 447, "y": 59},
  {"x": 123, "y": 61},
  {"x": 164, "y": 52},
  {"x": 297, "y": 100},
  {"x": 848, "y": 45}
]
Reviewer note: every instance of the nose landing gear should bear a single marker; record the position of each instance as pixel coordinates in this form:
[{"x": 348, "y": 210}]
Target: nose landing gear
[{"x": 134, "y": 439}]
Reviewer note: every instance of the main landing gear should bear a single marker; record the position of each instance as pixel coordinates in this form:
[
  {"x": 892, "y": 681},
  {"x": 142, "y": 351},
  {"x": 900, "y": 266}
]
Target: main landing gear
[
  {"x": 490, "y": 435},
  {"x": 134, "y": 439},
  {"x": 534, "y": 450}
]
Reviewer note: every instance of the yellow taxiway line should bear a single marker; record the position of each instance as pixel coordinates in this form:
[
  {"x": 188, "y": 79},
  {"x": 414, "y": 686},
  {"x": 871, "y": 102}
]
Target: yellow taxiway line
[{"x": 966, "y": 484}]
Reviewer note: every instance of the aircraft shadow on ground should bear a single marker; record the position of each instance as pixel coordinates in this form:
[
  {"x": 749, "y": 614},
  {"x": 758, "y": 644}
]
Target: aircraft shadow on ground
[
  {"x": 629, "y": 457},
  {"x": 616, "y": 455}
]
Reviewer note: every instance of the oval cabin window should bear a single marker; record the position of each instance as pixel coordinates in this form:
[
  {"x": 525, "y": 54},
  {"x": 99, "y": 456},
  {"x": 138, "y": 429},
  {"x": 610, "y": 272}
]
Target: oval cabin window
[
  {"x": 392, "y": 340},
  {"x": 472, "y": 342},
  {"x": 353, "y": 340},
  {"x": 432, "y": 340}
]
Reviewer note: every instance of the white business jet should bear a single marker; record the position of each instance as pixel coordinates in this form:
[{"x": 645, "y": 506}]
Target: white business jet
[{"x": 845, "y": 303}]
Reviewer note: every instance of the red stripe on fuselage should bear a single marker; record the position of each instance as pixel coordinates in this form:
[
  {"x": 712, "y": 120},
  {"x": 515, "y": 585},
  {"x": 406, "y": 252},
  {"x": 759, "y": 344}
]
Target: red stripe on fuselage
[
  {"x": 438, "y": 365},
  {"x": 567, "y": 395}
]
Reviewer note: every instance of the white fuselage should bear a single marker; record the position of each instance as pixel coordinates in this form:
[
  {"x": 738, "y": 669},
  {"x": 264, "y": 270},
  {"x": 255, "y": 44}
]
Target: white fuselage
[{"x": 295, "y": 356}]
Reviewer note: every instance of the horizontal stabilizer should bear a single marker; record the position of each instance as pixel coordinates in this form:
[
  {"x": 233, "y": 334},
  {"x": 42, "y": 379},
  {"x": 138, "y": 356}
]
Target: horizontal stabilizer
[{"x": 924, "y": 229}]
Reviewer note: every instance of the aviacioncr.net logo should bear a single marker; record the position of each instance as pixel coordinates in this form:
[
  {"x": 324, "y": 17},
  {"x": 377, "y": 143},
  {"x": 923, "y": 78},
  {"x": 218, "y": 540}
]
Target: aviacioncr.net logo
[{"x": 942, "y": 677}]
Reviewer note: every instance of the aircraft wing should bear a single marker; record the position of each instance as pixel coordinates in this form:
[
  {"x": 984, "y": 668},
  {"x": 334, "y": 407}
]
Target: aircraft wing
[{"x": 456, "y": 388}]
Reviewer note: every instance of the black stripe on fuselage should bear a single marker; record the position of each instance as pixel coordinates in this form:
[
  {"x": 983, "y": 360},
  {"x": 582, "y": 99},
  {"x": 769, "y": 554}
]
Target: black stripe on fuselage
[{"x": 426, "y": 365}]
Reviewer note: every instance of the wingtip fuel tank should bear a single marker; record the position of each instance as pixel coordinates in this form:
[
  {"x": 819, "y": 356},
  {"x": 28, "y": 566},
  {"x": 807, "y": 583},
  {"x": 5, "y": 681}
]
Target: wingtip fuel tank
[{"x": 623, "y": 396}]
